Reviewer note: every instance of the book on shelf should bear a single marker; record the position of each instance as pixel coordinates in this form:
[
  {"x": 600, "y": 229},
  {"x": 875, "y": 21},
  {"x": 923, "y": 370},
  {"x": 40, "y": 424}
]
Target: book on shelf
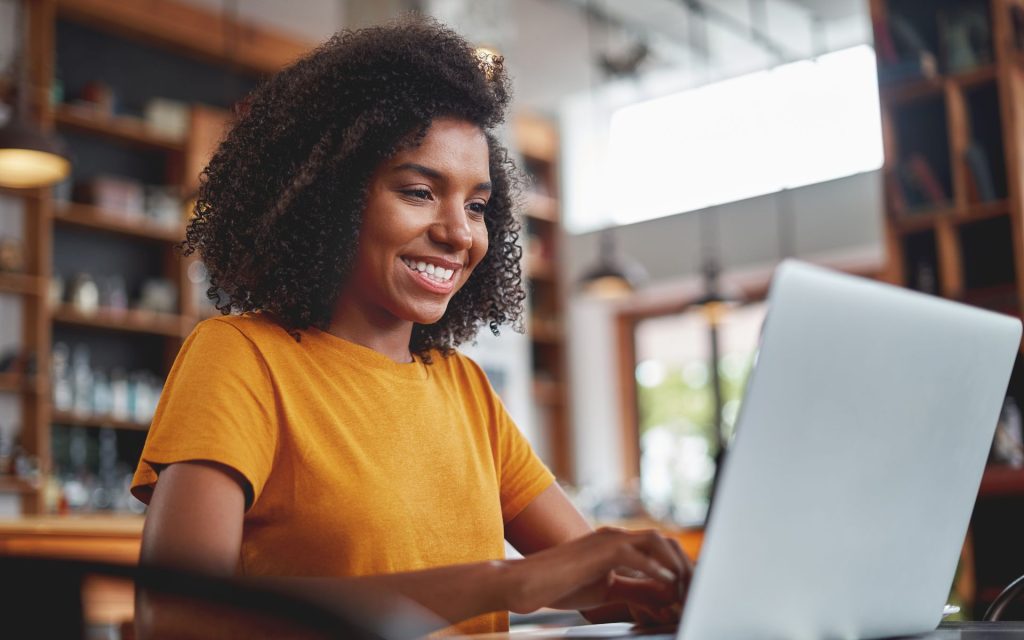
[
  {"x": 886, "y": 48},
  {"x": 906, "y": 55},
  {"x": 897, "y": 197},
  {"x": 966, "y": 37},
  {"x": 979, "y": 174},
  {"x": 920, "y": 186}
]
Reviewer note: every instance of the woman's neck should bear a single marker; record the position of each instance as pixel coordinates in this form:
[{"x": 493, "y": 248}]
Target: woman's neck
[{"x": 382, "y": 332}]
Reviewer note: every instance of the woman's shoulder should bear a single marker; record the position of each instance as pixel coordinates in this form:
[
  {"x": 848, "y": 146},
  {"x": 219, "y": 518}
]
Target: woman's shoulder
[{"x": 256, "y": 326}]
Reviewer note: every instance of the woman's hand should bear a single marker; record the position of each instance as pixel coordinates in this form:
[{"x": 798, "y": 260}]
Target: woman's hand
[{"x": 642, "y": 569}]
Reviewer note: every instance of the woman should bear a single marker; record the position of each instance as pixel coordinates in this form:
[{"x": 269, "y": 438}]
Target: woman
[{"x": 360, "y": 214}]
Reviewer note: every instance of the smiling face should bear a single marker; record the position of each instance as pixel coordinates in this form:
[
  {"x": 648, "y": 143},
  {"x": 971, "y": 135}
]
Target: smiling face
[{"x": 423, "y": 228}]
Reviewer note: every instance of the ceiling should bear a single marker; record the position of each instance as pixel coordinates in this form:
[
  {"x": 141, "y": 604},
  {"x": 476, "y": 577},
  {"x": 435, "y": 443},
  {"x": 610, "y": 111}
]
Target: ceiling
[{"x": 740, "y": 33}]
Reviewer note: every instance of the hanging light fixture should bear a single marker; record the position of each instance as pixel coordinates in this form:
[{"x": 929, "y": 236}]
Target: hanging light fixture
[
  {"x": 713, "y": 305},
  {"x": 29, "y": 157},
  {"x": 614, "y": 275}
]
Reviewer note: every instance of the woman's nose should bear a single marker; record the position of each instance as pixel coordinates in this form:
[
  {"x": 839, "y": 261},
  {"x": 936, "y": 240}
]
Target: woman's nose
[{"x": 452, "y": 228}]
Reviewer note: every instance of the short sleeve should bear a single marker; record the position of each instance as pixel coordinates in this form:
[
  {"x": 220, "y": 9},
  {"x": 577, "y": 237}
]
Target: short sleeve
[
  {"x": 522, "y": 474},
  {"x": 218, "y": 405}
]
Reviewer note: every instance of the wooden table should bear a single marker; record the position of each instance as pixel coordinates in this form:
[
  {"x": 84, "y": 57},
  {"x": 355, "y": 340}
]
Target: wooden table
[
  {"x": 947, "y": 631},
  {"x": 103, "y": 538}
]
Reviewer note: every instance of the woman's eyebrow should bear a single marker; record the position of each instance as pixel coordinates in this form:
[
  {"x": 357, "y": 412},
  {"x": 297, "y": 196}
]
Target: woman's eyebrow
[
  {"x": 424, "y": 171},
  {"x": 434, "y": 174}
]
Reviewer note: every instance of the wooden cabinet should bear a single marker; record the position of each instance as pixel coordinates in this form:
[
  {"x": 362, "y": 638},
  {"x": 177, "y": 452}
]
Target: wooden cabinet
[
  {"x": 951, "y": 76},
  {"x": 135, "y": 53},
  {"x": 536, "y": 140}
]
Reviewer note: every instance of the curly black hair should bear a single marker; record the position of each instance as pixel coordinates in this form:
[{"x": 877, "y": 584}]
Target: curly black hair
[{"x": 280, "y": 204}]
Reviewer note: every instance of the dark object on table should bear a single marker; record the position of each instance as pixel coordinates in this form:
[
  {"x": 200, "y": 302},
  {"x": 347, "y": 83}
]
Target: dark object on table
[
  {"x": 47, "y": 603},
  {"x": 1003, "y": 600}
]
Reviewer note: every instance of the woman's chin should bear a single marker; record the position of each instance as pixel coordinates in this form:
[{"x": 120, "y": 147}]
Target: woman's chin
[{"x": 427, "y": 316}]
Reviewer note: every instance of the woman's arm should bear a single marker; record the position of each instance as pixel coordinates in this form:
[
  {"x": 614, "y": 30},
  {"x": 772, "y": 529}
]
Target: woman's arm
[
  {"x": 551, "y": 520},
  {"x": 195, "y": 522}
]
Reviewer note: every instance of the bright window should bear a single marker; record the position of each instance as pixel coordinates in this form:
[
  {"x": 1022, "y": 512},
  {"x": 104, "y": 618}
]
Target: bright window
[
  {"x": 675, "y": 404},
  {"x": 796, "y": 124}
]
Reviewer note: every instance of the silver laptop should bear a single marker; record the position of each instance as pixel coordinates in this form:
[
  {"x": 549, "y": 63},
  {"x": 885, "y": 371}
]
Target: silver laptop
[
  {"x": 845, "y": 495},
  {"x": 847, "y": 491}
]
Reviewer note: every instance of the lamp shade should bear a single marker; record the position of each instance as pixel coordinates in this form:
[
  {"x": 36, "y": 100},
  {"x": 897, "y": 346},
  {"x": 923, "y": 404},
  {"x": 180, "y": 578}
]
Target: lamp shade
[
  {"x": 30, "y": 158},
  {"x": 614, "y": 276}
]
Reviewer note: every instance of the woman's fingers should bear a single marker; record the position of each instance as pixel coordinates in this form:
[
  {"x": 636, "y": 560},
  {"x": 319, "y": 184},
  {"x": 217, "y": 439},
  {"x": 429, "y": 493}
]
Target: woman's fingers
[
  {"x": 581, "y": 572},
  {"x": 641, "y": 592},
  {"x": 635, "y": 558}
]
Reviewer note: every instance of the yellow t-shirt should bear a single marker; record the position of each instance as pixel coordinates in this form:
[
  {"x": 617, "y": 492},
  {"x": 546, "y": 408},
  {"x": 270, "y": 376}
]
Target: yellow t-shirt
[{"x": 358, "y": 465}]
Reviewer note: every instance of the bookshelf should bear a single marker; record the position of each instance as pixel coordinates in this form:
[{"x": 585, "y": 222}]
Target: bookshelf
[
  {"x": 536, "y": 139},
  {"x": 951, "y": 76},
  {"x": 66, "y": 234}
]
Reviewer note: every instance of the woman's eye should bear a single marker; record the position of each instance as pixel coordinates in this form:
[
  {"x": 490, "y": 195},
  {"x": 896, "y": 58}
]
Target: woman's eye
[
  {"x": 421, "y": 194},
  {"x": 478, "y": 207}
]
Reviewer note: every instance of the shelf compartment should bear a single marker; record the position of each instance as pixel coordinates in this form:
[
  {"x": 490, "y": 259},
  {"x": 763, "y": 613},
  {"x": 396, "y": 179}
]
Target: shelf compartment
[
  {"x": 88, "y": 216},
  {"x": 131, "y": 320},
  {"x": 21, "y": 284},
  {"x": 986, "y": 251},
  {"x": 921, "y": 262},
  {"x": 72, "y": 420},
  {"x": 921, "y": 179},
  {"x": 129, "y": 131},
  {"x": 984, "y": 158}
]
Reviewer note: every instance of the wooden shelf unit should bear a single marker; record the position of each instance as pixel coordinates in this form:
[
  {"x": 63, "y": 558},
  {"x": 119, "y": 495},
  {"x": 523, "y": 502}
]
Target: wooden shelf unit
[
  {"x": 118, "y": 129},
  {"x": 72, "y": 420},
  {"x": 537, "y": 140},
  {"x": 90, "y": 217},
  {"x": 126, "y": 320},
  {"x": 165, "y": 29},
  {"x": 954, "y": 146}
]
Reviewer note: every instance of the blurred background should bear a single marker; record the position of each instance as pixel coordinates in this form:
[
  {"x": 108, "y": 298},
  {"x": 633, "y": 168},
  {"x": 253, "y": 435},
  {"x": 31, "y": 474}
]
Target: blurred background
[{"x": 677, "y": 151}]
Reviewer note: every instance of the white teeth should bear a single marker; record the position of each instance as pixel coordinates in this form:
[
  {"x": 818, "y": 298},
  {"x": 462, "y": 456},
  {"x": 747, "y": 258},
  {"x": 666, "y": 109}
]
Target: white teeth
[{"x": 431, "y": 271}]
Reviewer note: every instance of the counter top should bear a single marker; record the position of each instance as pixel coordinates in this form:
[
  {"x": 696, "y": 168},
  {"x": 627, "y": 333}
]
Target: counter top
[{"x": 127, "y": 526}]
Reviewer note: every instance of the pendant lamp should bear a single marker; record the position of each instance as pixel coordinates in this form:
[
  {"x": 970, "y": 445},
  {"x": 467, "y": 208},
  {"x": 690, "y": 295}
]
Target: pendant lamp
[
  {"x": 29, "y": 157},
  {"x": 614, "y": 275}
]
